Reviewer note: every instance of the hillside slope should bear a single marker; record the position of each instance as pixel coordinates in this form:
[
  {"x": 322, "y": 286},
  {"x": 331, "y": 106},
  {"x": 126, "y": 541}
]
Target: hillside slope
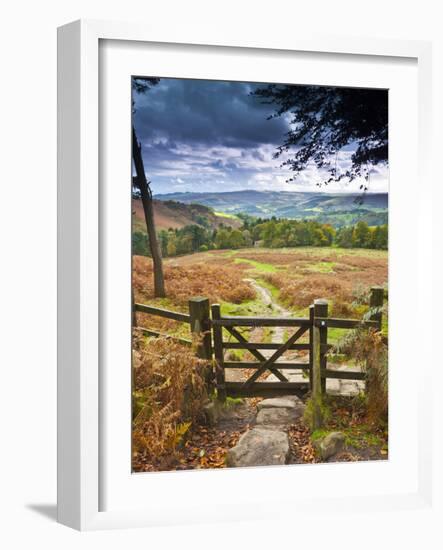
[{"x": 171, "y": 214}]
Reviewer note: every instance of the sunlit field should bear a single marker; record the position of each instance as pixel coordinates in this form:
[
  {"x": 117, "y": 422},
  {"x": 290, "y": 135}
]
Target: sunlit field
[{"x": 295, "y": 278}]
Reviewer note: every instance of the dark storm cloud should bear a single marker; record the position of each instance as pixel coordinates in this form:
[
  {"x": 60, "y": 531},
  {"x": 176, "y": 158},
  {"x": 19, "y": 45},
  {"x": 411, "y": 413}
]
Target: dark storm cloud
[
  {"x": 200, "y": 135},
  {"x": 206, "y": 112}
]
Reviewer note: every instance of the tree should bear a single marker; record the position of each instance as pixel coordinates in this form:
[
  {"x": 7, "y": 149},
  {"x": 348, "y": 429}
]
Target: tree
[
  {"x": 163, "y": 238},
  {"x": 319, "y": 237},
  {"x": 344, "y": 237},
  {"x": 247, "y": 239},
  {"x": 139, "y": 244},
  {"x": 329, "y": 233},
  {"x": 171, "y": 247},
  {"x": 379, "y": 237},
  {"x": 142, "y": 85},
  {"x": 325, "y": 120},
  {"x": 236, "y": 239},
  {"x": 222, "y": 238},
  {"x": 361, "y": 235},
  {"x": 382, "y": 241}
]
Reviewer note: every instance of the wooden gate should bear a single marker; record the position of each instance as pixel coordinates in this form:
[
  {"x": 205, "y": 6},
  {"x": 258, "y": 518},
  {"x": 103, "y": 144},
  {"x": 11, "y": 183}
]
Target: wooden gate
[
  {"x": 253, "y": 386},
  {"x": 316, "y": 325},
  {"x": 209, "y": 331}
]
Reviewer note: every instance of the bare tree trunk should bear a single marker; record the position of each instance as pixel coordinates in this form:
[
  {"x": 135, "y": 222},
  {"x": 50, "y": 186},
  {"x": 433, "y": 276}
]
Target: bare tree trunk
[{"x": 146, "y": 196}]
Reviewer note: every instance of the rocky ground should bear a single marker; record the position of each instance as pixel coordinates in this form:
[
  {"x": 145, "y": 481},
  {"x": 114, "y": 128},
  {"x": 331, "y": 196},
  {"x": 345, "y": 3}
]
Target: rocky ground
[{"x": 255, "y": 432}]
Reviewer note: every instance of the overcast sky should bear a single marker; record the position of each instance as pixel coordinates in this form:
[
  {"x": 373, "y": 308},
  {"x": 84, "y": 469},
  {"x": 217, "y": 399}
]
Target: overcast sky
[{"x": 201, "y": 135}]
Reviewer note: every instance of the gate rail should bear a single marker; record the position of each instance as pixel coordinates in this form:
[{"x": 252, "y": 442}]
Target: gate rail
[
  {"x": 208, "y": 335},
  {"x": 316, "y": 325}
]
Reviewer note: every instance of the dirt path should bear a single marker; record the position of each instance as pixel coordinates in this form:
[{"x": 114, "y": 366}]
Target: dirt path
[
  {"x": 270, "y": 306},
  {"x": 278, "y": 310},
  {"x": 278, "y": 334}
]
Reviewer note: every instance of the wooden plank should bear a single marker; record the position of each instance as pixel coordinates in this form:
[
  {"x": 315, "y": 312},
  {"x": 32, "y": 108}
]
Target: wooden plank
[
  {"x": 261, "y": 322},
  {"x": 218, "y": 354},
  {"x": 259, "y": 345},
  {"x": 155, "y": 334},
  {"x": 256, "y": 365},
  {"x": 343, "y": 374},
  {"x": 323, "y": 322},
  {"x": 255, "y": 353},
  {"x": 175, "y": 315},
  {"x": 275, "y": 356},
  {"x": 267, "y": 389}
]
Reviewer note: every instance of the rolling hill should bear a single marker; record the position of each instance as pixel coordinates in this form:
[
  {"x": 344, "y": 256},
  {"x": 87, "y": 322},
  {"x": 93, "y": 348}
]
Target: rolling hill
[
  {"x": 338, "y": 209},
  {"x": 175, "y": 215}
]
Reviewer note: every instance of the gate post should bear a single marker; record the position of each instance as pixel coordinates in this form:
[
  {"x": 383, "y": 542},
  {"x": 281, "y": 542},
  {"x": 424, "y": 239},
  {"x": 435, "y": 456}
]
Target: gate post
[
  {"x": 201, "y": 332},
  {"x": 311, "y": 346},
  {"x": 376, "y": 302},
  {"x": 200, "y": 326},
  {"x": 218, "y": 354},
  {"x": 320, "y": 309}
]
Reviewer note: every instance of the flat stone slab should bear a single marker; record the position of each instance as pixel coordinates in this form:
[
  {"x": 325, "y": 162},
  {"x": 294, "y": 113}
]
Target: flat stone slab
[
  {"x": 286, "y": 402},
  {"x": 279, "y": 416},
  {"x": 259, "y": 447}
]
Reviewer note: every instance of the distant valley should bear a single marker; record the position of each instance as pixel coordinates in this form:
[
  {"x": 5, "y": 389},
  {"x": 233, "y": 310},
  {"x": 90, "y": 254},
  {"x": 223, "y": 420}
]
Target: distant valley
[{"x": 336, "y": 209}]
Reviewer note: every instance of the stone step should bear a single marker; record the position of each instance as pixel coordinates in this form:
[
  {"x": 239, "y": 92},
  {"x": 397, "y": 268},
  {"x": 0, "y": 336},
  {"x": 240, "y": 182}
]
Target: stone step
[
  {"x": 281, "y": 417},
  {"x": 259, "y": 447},
  {"x": 285, "y": 402}
]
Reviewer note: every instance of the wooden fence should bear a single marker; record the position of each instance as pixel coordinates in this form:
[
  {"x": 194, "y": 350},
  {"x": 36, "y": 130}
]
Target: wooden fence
[
  {"x": 209, "y": 328},
  {"x": 198, "y": 319}
]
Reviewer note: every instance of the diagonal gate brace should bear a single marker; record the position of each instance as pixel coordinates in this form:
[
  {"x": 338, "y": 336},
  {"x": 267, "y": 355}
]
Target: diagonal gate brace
[
  {"x": 256, "y": 353},
  {"x": 268, "y": 364}
]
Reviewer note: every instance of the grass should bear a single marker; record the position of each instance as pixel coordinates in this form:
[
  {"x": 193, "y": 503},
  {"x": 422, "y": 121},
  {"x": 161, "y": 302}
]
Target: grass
[
  {"x": 226, "y": 215},
  {"x": 321, "y": 267},
  {"x": 272, "y": 289},
  {"x": 231, "y": 402},
  {"x": 362, "y": 436},
  {"x": 336, "y": 334},
  {"x": 258, "y": 266},
  {"x": 247, "y": 308},
  {"x": 359, "y": 436},
  {"x": 318, "y": 252}
]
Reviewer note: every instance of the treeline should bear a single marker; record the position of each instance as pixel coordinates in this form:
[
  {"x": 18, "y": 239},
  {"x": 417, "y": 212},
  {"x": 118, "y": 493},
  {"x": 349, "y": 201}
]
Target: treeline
[
  {"x": 362, "y": 236},
  {"x": 273, "y": 233},
  {"x": 279, "y": 233},
  {"x": 193, "y": 238}
]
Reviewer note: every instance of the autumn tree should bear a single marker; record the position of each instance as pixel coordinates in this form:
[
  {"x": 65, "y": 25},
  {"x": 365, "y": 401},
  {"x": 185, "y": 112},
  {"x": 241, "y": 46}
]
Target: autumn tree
[
  {"x": 142, "y": 85},
  {"x": 362, "y": 234}
]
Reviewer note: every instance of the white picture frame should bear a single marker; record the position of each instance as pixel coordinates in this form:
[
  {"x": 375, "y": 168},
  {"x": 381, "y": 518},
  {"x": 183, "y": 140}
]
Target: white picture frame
[{"x": 80, "y": 394}]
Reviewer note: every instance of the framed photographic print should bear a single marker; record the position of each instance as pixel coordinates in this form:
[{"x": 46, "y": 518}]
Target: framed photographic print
[{"x": 240, "y": 268}]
